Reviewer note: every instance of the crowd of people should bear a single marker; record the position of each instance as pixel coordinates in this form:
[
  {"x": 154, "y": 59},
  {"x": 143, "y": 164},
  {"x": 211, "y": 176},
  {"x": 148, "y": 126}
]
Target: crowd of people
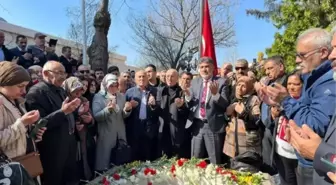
[{"x": 260, "y": 119}]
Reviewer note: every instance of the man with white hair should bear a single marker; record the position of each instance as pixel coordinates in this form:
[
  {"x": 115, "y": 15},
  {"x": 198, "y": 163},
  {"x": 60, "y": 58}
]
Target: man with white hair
[
  {"x": 5, "y": 54},
  {"x": 316, "y": 105},
  {"x": 58, "y": 149}
]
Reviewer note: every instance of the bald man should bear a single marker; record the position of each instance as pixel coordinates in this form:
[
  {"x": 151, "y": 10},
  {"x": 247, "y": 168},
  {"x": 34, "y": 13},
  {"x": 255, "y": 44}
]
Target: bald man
[
  {"x": 174, "y": 140},
  {"x": 226, "y": 69},
  {"x": 58, "y": 148},
  {"x": 142, "y": 125}
]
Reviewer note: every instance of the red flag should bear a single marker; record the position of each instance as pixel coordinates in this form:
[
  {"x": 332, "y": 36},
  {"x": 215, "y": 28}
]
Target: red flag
[{"x": 208, "y": 46}]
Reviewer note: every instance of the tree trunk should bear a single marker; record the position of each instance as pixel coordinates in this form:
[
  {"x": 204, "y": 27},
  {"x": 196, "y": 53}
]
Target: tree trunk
[{"x": 98, "y": 50}]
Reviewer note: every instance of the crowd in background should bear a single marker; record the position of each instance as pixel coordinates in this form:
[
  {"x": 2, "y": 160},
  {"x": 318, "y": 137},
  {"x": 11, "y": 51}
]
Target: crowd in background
[{"x": 260, "y": 119}]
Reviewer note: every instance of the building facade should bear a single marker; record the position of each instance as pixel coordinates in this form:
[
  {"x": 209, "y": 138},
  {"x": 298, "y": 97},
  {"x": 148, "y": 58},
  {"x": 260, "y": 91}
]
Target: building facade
[{"x": 11, "y": 31}]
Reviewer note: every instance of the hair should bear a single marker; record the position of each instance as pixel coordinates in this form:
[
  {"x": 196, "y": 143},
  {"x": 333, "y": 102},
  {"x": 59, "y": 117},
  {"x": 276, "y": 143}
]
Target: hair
[
  {"x": 187, "y": 73},
  {"x": 206, "y": 59},
  {"x": 98, "y": 69},
  {"x": 276, "y": 59},
  {"x": 152, "y": 66},
  {"x": 112, "y": 69},
  {"x": 64, "y": 48},
  {"x": 242, "y": 60},
  {"x": 20, "y": 36},
  {"x": 297, "y": 74},
  {"x": 319, "y": 37}
]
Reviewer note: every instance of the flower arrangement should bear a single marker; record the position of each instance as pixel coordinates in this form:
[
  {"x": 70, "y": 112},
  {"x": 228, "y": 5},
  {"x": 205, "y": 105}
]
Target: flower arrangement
[{"x": 177, "y": 172}]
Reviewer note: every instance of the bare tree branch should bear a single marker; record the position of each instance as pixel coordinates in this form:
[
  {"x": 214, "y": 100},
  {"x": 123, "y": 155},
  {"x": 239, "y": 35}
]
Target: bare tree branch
[{"x": 170, "y": 27}]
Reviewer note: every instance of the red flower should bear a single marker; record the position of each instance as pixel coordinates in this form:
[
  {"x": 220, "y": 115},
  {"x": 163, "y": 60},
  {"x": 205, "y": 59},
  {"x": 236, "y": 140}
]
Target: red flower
[
  {"x": 147, "y": 171},
  {"x": 233, "y": 177},
  {"x": 104, "y": 180},
  {"x": 202, "y": 164},
  {"x": 153, "y": 172},
  {"x": 149, "y": 183},
  {"x": 219, "y": 169},
  {"x": 116, "y": 176},
  {"x": 133, "y": 172},
  {"x": 180, "y": 162},
  {"x": 173, "y": 169}
]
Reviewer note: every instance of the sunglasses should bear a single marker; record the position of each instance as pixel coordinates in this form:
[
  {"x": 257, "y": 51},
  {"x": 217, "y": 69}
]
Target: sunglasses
[
  {"x": 240, "y": 68},
  {"x": 84, "y": 71}
]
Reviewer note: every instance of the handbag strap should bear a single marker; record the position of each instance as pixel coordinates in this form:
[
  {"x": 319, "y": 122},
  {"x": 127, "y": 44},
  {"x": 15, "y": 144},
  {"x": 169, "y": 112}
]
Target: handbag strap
[{"x": 236, "y": 136}]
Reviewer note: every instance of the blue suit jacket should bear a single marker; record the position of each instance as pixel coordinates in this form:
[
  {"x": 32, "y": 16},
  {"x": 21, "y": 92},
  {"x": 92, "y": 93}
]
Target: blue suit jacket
[{"x": 317, "y": 105}]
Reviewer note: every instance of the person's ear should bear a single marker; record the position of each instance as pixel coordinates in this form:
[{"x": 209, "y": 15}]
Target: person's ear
[
  {"x": 45, "y": 73},
  {"x": 324, "y": 53}
]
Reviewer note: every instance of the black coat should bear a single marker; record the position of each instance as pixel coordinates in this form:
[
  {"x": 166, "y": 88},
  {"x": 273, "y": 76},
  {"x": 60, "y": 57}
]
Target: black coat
[
  {"x": 58, "y": 148},
  {"x": 22, "y": 61},
  {"x": 8, "y": 54}
]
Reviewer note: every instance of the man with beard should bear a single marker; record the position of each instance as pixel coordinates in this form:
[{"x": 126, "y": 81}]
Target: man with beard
[
  {"x": 172, "y": 118},
  {"x": 25, "y": 58},
  {"x": 58, "y": 148},
  {"x": 207, "y": 101},
  {"x": 142, "y": 125},
  {"x": 316, "y": 105},
  {"x": 99, "y": 75}
]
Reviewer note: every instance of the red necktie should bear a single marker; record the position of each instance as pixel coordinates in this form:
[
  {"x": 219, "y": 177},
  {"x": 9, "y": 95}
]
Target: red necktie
[{"x": 203, "y": 99}]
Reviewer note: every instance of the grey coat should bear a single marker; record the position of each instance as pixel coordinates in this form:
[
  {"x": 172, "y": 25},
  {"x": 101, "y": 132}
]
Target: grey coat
[
  {"x": 327, "y": 145},
  {"x": 110, "y": 128}
]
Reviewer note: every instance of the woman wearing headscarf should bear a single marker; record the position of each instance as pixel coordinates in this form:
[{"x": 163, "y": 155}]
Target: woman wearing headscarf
[
  {"x": 109, "y": 110},
  {"x": 244, "y": 113},
  {"x": 15, "y": 122},
  {"x": 84, "y": 126}
]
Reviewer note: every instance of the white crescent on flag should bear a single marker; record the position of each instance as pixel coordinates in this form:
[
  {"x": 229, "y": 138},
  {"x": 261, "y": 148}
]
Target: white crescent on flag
[{"x": 203, "y": 45}]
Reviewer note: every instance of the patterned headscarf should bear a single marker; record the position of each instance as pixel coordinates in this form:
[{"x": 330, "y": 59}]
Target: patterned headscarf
[
  {"x": 108, "y": 80},
  {"x": 71, "y": 84}
]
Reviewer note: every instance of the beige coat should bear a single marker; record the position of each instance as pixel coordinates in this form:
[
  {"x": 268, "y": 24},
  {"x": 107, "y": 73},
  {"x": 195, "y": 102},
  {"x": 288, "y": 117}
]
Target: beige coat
[{"x": 12, "y": 131}]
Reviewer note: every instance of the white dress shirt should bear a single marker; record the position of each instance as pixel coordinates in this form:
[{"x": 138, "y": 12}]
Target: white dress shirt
[{"x": 143, "y": 107}]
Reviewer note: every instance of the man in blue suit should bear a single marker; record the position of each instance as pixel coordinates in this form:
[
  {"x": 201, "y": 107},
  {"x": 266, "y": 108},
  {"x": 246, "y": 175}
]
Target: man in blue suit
[
  {"x": 142, "y": 126},
  {"x": 207, "y": 101}
]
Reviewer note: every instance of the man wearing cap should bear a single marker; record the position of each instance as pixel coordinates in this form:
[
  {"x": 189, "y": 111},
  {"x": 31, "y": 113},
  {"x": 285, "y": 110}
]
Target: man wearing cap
[
  {"x": 38, "y": 50},
  {"x": 207, "y": 100}
]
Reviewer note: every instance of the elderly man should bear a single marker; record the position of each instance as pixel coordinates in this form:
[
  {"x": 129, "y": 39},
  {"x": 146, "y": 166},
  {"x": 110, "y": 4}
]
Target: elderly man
[
  {"x": 314, "y": 107},
  {"x": 207, "y": 100},
  {"x": 173, "y": 117},
  {"x": 58, "y": 148},
  {"x": 313, "y": 146},
  {"x": 142, "y": 125},
  {"x": 225, "y": 70}
]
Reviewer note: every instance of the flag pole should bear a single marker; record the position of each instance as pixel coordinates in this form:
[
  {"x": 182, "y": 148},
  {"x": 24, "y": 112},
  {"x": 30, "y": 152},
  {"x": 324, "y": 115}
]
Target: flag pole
[
  {"x": 85, "y": 61},
  {"x": 201, "y": 27}
]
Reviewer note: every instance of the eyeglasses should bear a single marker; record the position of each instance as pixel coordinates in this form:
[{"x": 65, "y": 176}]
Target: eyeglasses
[
  {"x": 61, "y": 73},
  {"x": 305, "y": 55},
  {"x": 240, "y": 68},
  {"x": 84, "y": 71}
]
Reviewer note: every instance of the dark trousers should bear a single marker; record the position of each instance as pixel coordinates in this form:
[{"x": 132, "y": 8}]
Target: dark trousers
[
  {"x": 204, "y": 140},
  {"x": 286, "y": 169},
  {"x": 144, "y": 148},
  {"x": 61, "y": 169},
  {"x": 304, "y": 175},
  {"x": 267, "y": 166}
]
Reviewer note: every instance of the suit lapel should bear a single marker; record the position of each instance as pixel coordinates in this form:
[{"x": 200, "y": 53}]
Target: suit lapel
[
  {"x": 209, "y": 95},
  {"x": 331, "y": 128},
  {"x": 200, "y": 91}
]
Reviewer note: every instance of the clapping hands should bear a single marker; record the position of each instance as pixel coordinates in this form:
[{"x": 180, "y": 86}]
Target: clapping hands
[
  {"x": 179, "y": 102},
  {"x": 151, "y": 100}
]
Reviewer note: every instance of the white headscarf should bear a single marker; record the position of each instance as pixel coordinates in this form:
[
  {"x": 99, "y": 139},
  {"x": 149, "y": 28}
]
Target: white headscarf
[{"x": 108, "y": 80}]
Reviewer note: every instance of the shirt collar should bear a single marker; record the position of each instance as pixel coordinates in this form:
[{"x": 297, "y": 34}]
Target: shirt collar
[{"x": 321, "y": 69}]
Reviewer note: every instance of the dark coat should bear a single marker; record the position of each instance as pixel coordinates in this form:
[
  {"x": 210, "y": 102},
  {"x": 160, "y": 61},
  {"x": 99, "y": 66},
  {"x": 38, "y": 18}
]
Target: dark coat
[
  {"x": 22, "y": 61},
  {"x": 58, "y": 148},
  {"x": 8, "y": 54},
  {"x": 174, "y": 134}
]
